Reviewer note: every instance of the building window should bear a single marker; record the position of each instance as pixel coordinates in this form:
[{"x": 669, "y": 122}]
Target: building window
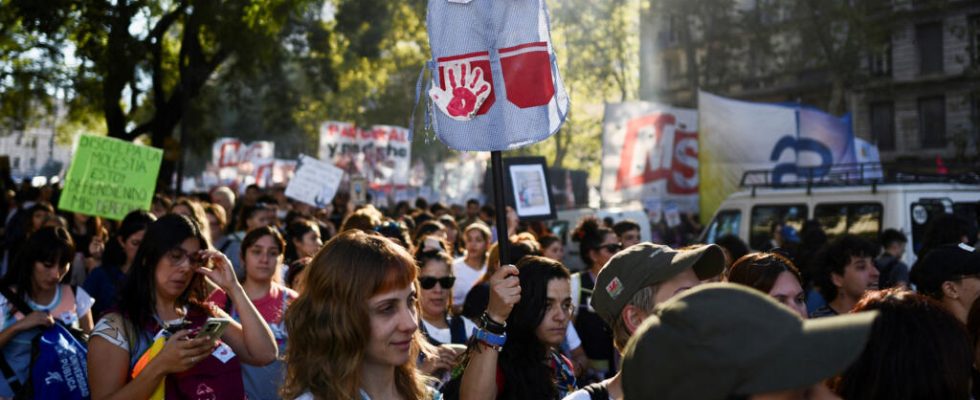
[
  {"x": 670, "y": 35},
  {"x": 975, "y": 116},
  {"x": 883, "y": 125},
  {"x": 929, "y": 41},
  {"x": 932, "y": 122},
  {"x": 16, "y": 162},
  {"x": 974, "y": 31},
  {"x": 881, "y": 60}
]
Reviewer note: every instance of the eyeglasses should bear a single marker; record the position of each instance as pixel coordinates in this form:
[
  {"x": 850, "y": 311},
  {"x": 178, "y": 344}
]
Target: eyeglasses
[
  {"x": 612, "y": 247},
  {"x": 429, "y": 282},
  {"x": 178, "y": 256}
]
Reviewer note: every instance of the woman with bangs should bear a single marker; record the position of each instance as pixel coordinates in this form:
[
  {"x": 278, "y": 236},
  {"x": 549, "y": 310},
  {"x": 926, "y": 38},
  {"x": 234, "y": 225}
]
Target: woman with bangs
[
  {"x": 447, "y": 334},
  {"x": 363, "y": 285},
  {"x": 163, "y": 297},
  {"x": 262, "y": 255},
  {"x": 36, "y": 277},
  {"x": 772, "y": 274}
]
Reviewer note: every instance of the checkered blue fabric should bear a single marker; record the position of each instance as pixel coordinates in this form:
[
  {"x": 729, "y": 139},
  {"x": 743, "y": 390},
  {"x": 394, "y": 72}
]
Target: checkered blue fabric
[{"x": 510, "y": 42}]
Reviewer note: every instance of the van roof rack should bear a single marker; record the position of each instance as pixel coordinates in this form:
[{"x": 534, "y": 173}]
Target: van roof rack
[{"x": 858, "y": 174}]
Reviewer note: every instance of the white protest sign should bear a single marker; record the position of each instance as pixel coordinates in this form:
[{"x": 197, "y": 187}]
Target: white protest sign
[{"x": 315, "y": 182}]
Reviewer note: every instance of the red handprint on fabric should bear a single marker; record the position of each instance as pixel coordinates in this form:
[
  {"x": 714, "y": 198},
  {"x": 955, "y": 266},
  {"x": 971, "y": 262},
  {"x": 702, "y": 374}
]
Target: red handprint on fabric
[{"x": 465, "y": 91}]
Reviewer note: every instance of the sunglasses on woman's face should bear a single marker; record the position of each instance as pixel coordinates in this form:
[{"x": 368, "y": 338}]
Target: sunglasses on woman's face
[{"x": 429, "y": 282}]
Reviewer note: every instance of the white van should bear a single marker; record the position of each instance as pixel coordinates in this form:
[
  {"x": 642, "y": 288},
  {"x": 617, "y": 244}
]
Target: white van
[
  {"x": 861, "y": 208},
  {"x": 567, "y": 220}
]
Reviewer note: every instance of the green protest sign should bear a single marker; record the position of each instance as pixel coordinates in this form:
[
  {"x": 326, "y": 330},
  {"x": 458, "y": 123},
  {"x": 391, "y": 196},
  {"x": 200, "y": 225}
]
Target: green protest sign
[{"x": 110, "y": 177}]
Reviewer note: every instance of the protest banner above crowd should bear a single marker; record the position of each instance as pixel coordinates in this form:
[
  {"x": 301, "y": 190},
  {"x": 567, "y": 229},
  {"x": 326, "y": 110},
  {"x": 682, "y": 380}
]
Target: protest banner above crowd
[
  {"x": 380, "y": 154},
  {"x": 650, "y": 153},
  {"x": 738, "y": 136}
]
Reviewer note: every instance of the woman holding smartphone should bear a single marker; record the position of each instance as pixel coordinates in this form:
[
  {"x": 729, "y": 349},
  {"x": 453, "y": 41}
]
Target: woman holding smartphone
[
  {"x": 354, "y": 331},
  {"x": 262, "y": 255},
  {"x": 163, "y": 297}
]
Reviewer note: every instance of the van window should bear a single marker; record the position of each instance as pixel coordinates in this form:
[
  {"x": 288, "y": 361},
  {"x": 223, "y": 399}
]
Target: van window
[
  {"x": 922, "y": 212},
  {"x": 763, "y": 216},
  {"x": 970, "y": 212},
  {"x": 861, "y": 219},
  {"x": 726, "y": 222}
]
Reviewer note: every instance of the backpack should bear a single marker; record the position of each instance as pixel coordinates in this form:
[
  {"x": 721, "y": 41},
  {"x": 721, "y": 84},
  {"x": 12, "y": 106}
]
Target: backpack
[
  {"x": 494, "y": 75},
  {"x": 58, "y": 368}
]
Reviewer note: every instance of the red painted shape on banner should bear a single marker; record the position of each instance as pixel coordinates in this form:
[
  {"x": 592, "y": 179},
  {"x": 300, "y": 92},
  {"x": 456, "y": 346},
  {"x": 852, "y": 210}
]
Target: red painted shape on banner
[
  {"x": 683, "y": 155},
  {"x": 684, "y": 163},
  {"x": 623, "y": 177}
]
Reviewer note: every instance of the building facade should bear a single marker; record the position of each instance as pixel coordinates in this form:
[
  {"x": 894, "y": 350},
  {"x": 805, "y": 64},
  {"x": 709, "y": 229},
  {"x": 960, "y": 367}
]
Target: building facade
[
  {"x": 35, "y": 152},
  {"x": 915, "y": 92}
]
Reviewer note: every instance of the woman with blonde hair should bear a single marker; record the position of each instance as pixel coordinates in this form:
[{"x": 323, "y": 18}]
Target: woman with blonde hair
[{"x": 353, "y": 335}]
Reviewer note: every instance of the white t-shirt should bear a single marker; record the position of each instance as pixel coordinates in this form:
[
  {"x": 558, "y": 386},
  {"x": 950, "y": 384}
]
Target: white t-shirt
[
  {"x": 581, "y": 394},
  {"x": 572, "y": 338},
  {"x": 83, "y": 304},
  {"x": 465, "y": 278},
  {"x": 445, "y": 336}
]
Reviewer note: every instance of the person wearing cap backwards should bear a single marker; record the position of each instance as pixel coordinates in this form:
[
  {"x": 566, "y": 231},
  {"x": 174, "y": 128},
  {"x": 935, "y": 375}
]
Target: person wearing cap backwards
[
  {"x": 632, "y": 283},
  {"x": 725, "y": 341},
  {"x": 951, "y": 274}
]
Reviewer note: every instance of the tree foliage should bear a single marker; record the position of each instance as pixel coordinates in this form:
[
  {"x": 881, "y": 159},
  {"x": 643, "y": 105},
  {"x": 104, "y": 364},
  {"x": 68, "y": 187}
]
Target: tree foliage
[{"x": 597, "y": 44}]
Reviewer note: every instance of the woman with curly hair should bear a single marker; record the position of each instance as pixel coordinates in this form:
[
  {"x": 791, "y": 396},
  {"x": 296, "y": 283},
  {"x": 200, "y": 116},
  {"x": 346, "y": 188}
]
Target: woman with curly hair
[
  {"x": 353, "y": 335},
  {"x": 597, "y": 244}
]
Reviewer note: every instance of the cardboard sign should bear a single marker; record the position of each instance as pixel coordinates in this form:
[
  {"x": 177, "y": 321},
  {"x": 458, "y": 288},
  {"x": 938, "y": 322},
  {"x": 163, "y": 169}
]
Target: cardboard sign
[
  {"x": 315, "y": 182},
  {"x": 110, "y": 177}
]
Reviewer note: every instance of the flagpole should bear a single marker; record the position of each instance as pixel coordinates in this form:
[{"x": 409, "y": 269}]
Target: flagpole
[{"x": 503, "y": 242}]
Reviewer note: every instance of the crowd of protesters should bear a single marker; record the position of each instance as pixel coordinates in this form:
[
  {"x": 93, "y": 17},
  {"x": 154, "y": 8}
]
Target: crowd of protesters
[{"x": 416, "y": 302}]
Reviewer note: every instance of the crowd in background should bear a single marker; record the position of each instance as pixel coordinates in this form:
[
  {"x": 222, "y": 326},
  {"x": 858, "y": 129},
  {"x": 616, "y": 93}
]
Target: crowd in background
[{"x": 354, "y": 302}]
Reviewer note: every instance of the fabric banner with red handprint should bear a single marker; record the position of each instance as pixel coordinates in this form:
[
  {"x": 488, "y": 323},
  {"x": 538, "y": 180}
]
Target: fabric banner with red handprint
[{"x": 495, "y": 82}]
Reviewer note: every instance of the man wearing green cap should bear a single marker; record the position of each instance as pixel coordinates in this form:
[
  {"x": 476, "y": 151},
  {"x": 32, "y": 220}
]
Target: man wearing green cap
[
  {"x": 722, "y": 341},
  {"x": 632, "y": 283}
]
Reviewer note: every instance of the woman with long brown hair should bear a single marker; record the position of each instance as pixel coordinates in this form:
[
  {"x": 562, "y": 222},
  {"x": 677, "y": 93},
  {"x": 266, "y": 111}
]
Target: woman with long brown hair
[{"x": 353, "y": 334}]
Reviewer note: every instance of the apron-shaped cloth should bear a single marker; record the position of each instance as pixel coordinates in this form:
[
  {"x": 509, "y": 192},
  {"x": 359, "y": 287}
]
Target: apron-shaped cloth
[{"x": 495, "y": 82}]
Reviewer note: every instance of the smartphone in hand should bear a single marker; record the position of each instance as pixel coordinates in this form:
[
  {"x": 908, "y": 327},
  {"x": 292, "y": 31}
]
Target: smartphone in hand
[{"x": 214, "y": 328}]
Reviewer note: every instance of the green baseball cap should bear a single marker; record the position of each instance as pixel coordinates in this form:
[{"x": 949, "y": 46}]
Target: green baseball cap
[
  {"x": 645, "y": 264},
  {"x": 723, "y": 339}
]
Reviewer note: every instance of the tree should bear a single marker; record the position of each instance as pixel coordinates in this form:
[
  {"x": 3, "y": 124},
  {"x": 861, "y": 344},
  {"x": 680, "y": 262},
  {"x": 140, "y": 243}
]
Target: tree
[
  {"x": 597, "y": 44},
  {"x": 141, "y": 64}
]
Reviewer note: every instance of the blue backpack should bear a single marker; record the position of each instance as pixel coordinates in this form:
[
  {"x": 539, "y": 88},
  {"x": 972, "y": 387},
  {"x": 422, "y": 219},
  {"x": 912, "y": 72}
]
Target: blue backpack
[{"x": 58, "y": 361}]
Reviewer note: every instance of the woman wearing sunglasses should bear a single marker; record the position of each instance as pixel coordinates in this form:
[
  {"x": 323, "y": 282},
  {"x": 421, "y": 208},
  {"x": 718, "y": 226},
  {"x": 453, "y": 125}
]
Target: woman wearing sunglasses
[
  {"x": 436, "y": 279},
  {"x": 597, "y": 244},
  {"x": 446, "y": 334}
]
